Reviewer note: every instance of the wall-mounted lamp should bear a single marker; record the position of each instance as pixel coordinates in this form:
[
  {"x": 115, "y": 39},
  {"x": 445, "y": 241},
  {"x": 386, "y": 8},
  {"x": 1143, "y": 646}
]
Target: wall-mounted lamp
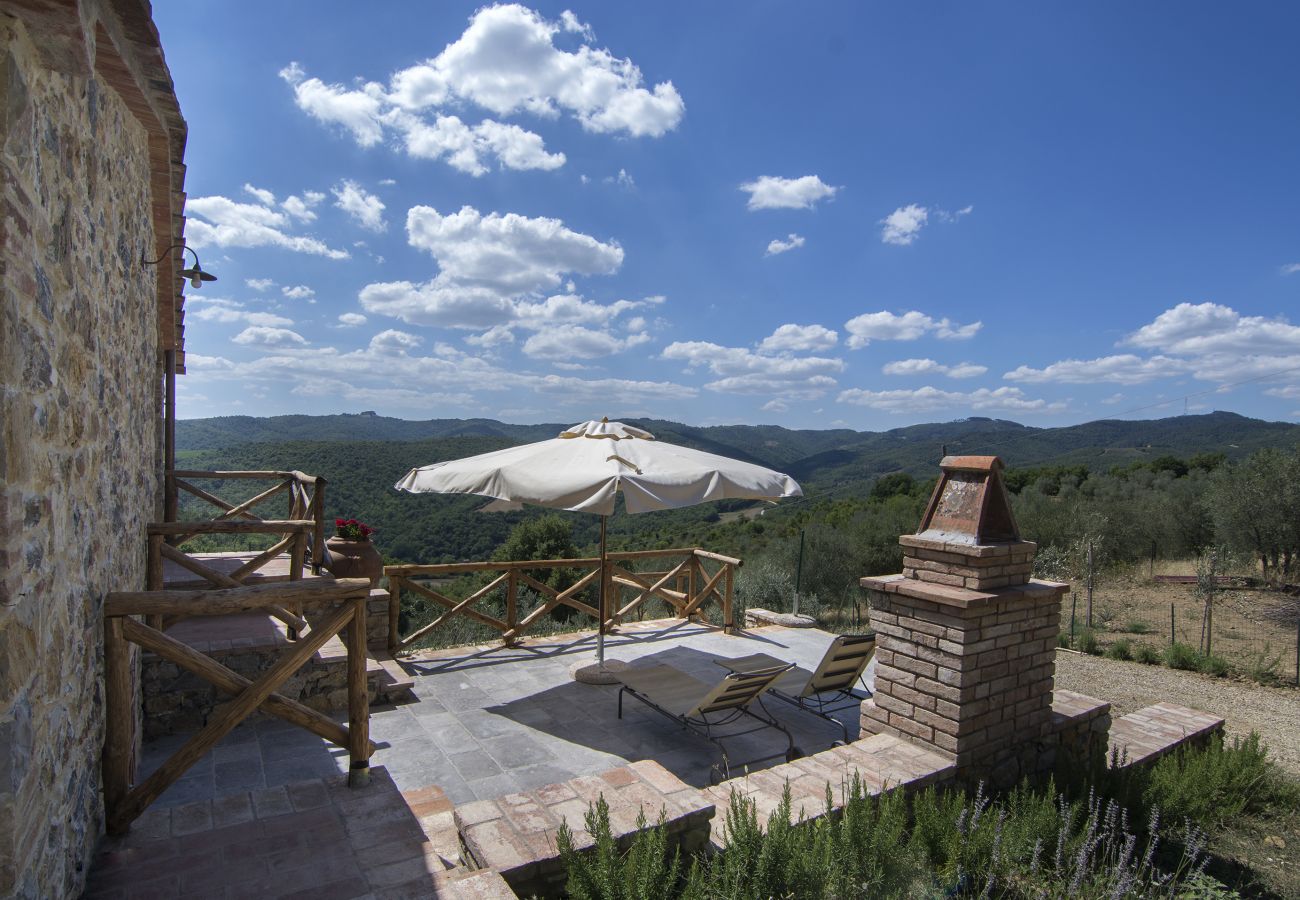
[{"x": 196, "y": 275}]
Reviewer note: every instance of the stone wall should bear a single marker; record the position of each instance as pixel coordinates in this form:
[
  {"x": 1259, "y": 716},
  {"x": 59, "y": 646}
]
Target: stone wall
[{"x": 79, "y": 467}]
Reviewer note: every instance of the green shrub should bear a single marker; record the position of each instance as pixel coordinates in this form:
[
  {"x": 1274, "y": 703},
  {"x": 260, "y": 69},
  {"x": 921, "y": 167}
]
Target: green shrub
[
  {"x": 1088, "y": 642},
  {"x": 1145, "y": 653},
  {"x": 1215, "y": 784},
  {"x": 1182, "y": 656},
  {"x": 1214, "y": 665},
  {"x": 1264, "y": 668},
  {"x": 1137, "y": 627},
  {"x": 1063, "y": 639},
  {"x": 1121, "y": 649}
]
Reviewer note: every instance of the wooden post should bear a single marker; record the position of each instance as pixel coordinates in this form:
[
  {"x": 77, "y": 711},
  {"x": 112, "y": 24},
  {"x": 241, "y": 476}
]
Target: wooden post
[
  {"x": 512, "y": 601},
  {"x": 297, "y": 558},
  {"x": 692, "y": 578},
  {"x": 728, "y": 622},
  {"x": 1088, "y": 611},
  {"x": 358, "y": 699},
  {"x": 169, "y": 438},
  {"x": 394, "y": 612},
  {"x": 119, "y": 719},
  {"x": 318, "y": 532},
  {"x": 154, "y": 580}
]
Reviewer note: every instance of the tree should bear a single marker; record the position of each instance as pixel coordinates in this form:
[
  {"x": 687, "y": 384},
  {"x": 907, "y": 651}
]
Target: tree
[
  {"x": 544, "y": 537},
  {"x": 1256, "y": 506}
]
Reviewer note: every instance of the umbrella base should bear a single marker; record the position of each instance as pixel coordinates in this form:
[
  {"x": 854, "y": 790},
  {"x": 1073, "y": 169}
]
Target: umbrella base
[{"x": 597, "y": 673}]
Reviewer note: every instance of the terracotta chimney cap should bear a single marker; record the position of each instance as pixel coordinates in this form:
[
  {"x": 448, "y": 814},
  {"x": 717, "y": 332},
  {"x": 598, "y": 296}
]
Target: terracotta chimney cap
[{"x": 970, "y": 504}]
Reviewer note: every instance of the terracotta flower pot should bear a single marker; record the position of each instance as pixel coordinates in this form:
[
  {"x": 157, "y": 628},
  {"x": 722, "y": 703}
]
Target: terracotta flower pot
[{"x": 355, "y": 559}]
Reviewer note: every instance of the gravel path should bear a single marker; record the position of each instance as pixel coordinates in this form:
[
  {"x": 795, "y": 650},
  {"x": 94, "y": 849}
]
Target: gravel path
[{"x": 1246, "y": 707}]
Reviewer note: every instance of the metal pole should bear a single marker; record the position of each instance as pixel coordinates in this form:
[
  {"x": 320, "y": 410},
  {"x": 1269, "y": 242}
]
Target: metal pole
[
  {"x": 1172, "y": 640},
  {"x": 1297, "y": 651},
  {"x": 1074, "y": 605},
  {"x": 798, "y": 574},
  {"x": 1089, "y": 612},
  {"x": 600, "y": 605}
]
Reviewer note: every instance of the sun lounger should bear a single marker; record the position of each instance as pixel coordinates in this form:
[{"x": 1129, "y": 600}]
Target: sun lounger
[
  {"x": 709, "y": 710},
  {"x": 829, "y": 689}
]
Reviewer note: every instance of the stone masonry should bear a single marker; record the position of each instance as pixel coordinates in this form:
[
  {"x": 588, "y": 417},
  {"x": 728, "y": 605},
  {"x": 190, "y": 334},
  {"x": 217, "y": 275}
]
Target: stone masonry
[
  {"x": 79, "y": 411},
  {"x": 966, "y": 639}
]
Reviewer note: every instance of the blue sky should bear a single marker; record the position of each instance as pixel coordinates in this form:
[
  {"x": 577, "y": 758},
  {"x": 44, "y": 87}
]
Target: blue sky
[{"x": 811, "y": 215}]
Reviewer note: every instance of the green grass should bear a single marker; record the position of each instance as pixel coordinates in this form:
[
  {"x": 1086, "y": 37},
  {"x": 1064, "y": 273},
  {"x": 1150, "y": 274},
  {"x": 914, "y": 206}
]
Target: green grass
[
  {"x": 1145, "y": 653},
  {"x": 1121, "y": 649}
]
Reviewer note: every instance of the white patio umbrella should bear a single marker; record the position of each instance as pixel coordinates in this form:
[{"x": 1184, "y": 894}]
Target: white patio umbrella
[{"x": 582, "y": 470}]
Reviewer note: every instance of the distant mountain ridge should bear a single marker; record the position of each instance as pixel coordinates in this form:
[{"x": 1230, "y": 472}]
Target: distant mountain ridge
[{"x": 818, "y": 456}]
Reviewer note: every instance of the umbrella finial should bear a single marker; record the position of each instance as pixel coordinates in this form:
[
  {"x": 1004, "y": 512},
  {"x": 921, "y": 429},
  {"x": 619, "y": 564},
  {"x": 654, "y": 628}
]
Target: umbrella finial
[{"x": 604, "y": 420}]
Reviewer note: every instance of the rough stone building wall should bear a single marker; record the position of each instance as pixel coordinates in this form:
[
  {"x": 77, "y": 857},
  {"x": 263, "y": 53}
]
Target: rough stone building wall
[{"x": 78, "y": 468}]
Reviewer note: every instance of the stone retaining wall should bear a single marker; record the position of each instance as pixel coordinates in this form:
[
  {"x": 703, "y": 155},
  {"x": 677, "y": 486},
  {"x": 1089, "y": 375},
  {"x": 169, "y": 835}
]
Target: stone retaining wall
[{"x": 79, "y": 407}]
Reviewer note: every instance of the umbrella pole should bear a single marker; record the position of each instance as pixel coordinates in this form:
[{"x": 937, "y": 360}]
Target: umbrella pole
[{"x": 600, "y": 604}]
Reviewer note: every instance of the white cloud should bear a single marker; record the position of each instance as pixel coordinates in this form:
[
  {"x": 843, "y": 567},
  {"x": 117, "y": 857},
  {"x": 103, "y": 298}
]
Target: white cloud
[
  {"x": 394, "y": 341},
  {"x": 622, "y": 179},
  {"x": 387, "y": 182},
  {"x": 260, "y": 336},
  {"x": 903, "y": 225},
  {"x": 506, "y": 62},
  {"x": 796, "y": 338},
  {"x": 776, "y": 245},
  {"x": 297, "y": 292},
  {"x": 1291, "y": 268},
  {"x": 351, "y": 319},
  {"x": 265, "y": 197},
  {"x": 223, "y": 222},
  {"x": 485, "y": 263},
  {"x": 217, "y": 309},
  {"x": 567, "y": 342},
  {"x": 366, "y": 209},
  {"x": 1209, "y": 328},
  {"x": 747, "y": 372},
  {"x": 928, "y": 398},
  {"x": 1122, "y": 368},
  {"x": 259, "y": 284},
  {"x": 930, "y": 367},
  {"x": 911, "y": 325},
  {"x": 775, "y": 192},
  {"x": 776, "y": 406},
  {"x": 301, "y": 207}
]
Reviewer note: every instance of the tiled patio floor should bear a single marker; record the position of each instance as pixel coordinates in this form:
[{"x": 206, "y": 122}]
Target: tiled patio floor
[{"x": 488, "y": 722}]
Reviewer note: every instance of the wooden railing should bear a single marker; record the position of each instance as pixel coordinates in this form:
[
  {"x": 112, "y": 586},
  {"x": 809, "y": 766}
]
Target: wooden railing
[
  {"x": 685, "y": 587},
  {"x": 166, "y": 538},
  {"x": 306, "y": 495},
  {"x": 124, "y": 800}
]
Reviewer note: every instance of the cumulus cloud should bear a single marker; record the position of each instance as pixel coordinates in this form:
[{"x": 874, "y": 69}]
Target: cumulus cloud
[
  {"x": 349, "y": 320},
  {"x": 394, "y": 341},
  {"x": 507, "y": 63},
  {"x": 744, "y": 371},
  {"x": 220, "y": 310},
  {"x": 776, "y": 245},
  {"x": 930, "y": 367},
  {"x": 486, "y": 263},
  {"x": 259, "y": 284},
  {"x": 911, "y": 325},
  {"x": 297, "y": 292},
  {"x": 260, "y": 336},
  {"x": 1208, "y": 328},
  {"x": 301, "y": 207},
  {"x": 902, "y": 226},
  {"x": 928, "y": 398},
  {"x": 365, "y": 209},
  {"x": 222, "y": 222},
  {"x": 1124, "y": 368},
  {"x": 568, "y": 342},
  {"x": 775, "y": 192},
  {"x": 796, "y": 338}
]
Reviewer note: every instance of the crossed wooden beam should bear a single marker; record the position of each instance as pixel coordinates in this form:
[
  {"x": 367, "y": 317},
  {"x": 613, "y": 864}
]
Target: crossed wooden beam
[{"x": 124, "y": 800}]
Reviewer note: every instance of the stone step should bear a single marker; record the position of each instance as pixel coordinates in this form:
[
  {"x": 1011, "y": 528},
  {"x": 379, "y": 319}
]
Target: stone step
[
  {"x": 1144, "y": 736},
  {"x": 881, "y": 762}
]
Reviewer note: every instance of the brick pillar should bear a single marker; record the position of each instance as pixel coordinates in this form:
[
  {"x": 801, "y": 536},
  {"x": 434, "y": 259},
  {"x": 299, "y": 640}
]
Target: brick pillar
[{"x": 966, "y": 640}]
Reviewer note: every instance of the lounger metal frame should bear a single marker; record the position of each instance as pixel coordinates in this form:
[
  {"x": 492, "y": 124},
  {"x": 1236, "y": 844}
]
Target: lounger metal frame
[
  {"x": 845, "y": 656},
  {"x": 728, "y": 702}
]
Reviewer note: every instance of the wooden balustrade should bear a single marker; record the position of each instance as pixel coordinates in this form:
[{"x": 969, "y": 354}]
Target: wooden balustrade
[
  {"x": 294, "y": 535},
  {"x": 124, "y": 799},
  {"x": 306, "y": 494},
  {"x": 686, "y": 588}
]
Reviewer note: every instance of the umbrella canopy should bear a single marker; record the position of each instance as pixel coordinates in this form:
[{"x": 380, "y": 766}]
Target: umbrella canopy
[{"x": 583, "y": 468}]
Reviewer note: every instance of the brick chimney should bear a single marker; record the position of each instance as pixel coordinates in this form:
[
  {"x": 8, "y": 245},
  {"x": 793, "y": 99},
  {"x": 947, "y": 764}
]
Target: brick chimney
[{"x": 966, "y": 639}]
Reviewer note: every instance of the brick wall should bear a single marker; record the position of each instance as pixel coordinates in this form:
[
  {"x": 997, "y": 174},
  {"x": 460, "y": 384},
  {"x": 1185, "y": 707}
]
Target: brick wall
[{"x": 80, "y": 413}]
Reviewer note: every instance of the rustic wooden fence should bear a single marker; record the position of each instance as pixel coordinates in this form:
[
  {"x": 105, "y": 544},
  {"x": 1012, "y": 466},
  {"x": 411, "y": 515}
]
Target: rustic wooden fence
[
  {"x": 123, "y": 798},
  {"x": 693, "y": 579},
  {"x": 306, "y": 495}
]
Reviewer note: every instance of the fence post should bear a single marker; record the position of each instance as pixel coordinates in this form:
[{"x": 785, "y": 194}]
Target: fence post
[
  {"x": 512, "y": 599},
  {"x": 1297, "y": 651},
  {"x": 1172, "y": 640},
  {"x": 1089, "y": 609},
  {"x": 798, "y": 575},
  {"x": 358, "y": 697},
  {"x": 119, "y": 719},
  {"x": 394, "y": 613},
  {"x": 1074, "y": 605}
]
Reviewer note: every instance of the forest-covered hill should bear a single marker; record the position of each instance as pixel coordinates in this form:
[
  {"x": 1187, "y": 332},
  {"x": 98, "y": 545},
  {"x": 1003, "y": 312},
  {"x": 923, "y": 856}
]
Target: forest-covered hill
[{"x": 362, "y": 455}]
